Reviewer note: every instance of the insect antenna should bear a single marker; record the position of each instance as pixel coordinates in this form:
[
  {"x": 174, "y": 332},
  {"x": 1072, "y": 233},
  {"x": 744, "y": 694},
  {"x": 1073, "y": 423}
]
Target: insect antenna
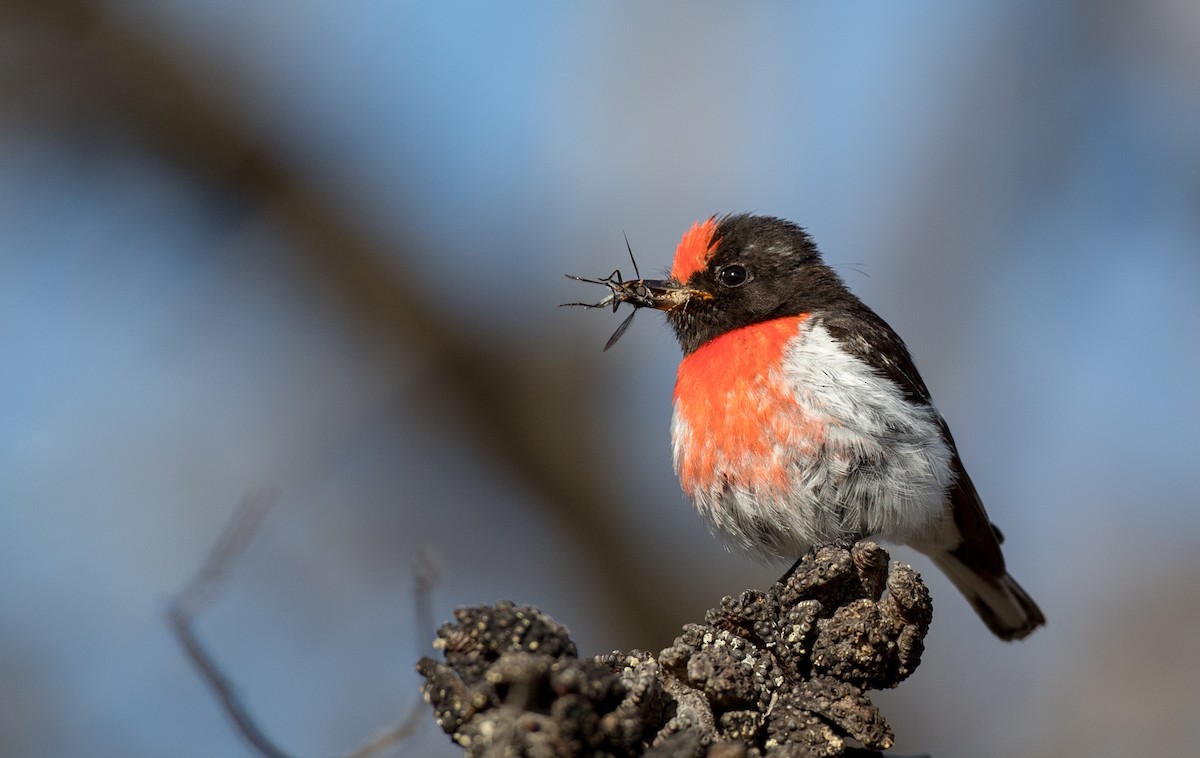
[{"x": 636, "y": 274}]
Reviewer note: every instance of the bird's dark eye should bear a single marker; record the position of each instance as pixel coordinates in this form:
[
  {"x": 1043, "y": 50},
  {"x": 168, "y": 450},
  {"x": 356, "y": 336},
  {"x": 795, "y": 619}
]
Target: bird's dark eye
[{"x": 733, "y": 275}]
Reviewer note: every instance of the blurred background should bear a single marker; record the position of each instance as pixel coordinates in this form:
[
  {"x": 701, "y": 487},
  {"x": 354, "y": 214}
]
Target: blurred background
[{"x": 320, "y": 246}]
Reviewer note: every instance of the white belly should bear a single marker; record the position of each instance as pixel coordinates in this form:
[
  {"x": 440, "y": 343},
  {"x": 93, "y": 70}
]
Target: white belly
[{"x": 849, "y": 457}]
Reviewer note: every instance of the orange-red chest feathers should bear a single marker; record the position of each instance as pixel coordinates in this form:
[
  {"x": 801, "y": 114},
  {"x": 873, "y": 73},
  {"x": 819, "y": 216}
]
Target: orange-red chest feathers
[{"x": 737, "y": 421}]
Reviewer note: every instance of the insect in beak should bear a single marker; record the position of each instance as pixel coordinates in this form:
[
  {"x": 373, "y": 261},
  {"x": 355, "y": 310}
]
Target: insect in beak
[{"x": 663, "y": 295}]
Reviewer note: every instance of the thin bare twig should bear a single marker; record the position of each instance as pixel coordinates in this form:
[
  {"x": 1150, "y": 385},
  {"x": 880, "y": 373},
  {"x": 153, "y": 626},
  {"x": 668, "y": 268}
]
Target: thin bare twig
[
  {"x": 201, "y": 591},
  {"x": 198, "y": 594},
  {"x": 392, "y": 737},
  {"x": 425, "y": 578}
]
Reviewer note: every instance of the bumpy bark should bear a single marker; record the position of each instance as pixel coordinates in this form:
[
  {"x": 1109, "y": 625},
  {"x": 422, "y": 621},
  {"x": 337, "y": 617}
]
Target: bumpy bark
[{"x": 776, "y": 673}]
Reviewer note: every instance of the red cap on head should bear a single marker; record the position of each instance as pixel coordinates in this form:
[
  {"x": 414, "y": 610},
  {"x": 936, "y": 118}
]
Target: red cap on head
[{"x": 694, "y": 249}]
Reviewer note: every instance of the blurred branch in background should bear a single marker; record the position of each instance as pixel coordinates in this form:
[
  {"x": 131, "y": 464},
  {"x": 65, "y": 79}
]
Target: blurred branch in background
[{"x": 93, "y": 73}]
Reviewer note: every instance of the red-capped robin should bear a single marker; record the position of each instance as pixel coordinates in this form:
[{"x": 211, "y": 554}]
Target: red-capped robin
[{"x": 800, "y": 419}]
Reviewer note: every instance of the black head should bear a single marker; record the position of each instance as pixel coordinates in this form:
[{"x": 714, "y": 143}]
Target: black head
[{"x": 743, "y": 269}]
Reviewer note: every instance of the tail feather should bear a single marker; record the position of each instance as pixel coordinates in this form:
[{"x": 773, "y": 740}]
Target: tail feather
[
  {"x": 1003, "y": 604},
  {"x": 973, "y": 562}
]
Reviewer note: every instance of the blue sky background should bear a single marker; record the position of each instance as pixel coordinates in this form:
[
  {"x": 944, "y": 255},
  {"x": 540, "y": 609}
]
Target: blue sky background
[{"x": 1015, "y": 188}]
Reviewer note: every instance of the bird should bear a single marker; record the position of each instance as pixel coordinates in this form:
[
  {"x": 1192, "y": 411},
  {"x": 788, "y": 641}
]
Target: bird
[{"x": 799, "y": 418}]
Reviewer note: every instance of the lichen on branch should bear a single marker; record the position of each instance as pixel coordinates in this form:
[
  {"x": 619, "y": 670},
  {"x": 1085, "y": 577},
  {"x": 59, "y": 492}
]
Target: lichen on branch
[{"x": 783, "y": 672}]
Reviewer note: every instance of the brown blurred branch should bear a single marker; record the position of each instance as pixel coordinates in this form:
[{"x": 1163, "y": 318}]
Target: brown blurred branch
[{"x": 516, "y": 409}]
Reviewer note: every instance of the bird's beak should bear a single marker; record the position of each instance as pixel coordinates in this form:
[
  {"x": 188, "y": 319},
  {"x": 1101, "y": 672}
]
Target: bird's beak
[{"x": 668, "y": 294}]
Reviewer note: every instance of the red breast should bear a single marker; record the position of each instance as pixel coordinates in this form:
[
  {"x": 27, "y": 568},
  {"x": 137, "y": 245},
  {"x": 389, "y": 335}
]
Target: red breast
[{"x": 737, "y": 420}]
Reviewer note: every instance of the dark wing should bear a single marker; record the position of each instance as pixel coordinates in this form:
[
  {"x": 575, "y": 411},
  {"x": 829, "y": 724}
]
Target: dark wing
[
  {"x": 866, "y": 336},
  {"x": 980, "y": 548}
]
